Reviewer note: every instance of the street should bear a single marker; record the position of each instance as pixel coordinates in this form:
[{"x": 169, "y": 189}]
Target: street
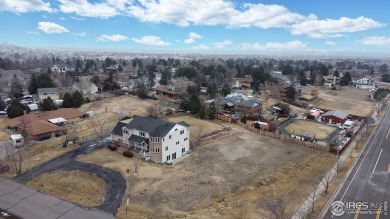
[{"x": 366, "y": 191}]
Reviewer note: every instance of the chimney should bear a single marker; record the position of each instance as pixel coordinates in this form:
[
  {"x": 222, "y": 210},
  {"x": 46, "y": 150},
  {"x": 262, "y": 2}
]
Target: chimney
[{"x": 334, "y": 80}]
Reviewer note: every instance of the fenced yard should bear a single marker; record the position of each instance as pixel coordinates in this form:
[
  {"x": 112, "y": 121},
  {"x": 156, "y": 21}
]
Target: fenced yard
[{"x": 299, "y": 127}]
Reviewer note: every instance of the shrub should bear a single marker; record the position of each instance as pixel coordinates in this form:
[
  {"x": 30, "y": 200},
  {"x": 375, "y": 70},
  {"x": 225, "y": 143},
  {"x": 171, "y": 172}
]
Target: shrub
[
  {"x": 112, "y": 148},
  {"x": 128, "y": 154}
]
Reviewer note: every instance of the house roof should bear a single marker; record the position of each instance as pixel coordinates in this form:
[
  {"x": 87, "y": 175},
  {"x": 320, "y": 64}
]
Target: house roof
[
  {"x": 336, "y": 113},
  {"x": 249, "y": 103},
  {"x": 66, "y": 113},
  {"x": 247, "y": 80},
  {"x": 165, "y": 88},
  {"x": 32, "y": 125},
  {"x": 184, "y": 124},
  {"x": 155, "y": 127},
  {"x": 48, "y": 90},
  {"x": 138, "y": 139}
]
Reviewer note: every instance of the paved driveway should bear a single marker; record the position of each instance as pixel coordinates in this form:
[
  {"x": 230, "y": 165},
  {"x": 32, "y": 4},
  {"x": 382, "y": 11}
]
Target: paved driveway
[{"x": 28, "y": 203}]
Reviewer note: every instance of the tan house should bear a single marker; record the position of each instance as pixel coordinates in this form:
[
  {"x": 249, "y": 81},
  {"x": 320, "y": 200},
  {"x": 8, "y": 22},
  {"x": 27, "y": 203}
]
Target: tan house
[{"x": 242, "y": 83}]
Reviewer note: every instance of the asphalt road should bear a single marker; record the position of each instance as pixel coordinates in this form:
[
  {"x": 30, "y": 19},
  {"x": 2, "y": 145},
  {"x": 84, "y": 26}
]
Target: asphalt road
[
  {"x": 116, "y": 184},
  {"x": 368, "y": 183}
]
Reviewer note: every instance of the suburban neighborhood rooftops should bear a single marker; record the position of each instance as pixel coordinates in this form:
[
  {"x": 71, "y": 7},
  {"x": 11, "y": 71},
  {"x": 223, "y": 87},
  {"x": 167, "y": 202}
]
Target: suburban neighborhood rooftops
[
  {"x": 336, "y": 113},
  {"x": 155, "y": 127}
]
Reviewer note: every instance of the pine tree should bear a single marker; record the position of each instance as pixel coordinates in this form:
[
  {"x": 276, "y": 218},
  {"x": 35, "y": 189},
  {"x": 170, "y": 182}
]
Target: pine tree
[
  {"x": 17, "y": 109},
  {"x": 45, "y": 81},
  {"x": 32, "y": 86},
  {"x": 2, "y": 104},
  {"x": 48, "y": 104},
  {"x": 212, "y": 111},
  {"x": 68, "y": 101},
  {"x": 77, "y": 99}
]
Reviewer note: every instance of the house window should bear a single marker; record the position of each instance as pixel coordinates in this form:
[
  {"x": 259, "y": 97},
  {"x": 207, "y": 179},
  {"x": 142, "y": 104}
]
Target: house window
[
  {"x": 183, "y": 150},
  {"x": 175, "y": 129},
  {"x": 142, "y": 134},
  {"x": 157, "y": 150},
  {"x": 177, "y": 142},
  {"x": 163, "y": 139},
  {"x": 173, "y": 156},
  {"x": 44, "y": 93},
  {"x": 166, "y": 148},
  {"x": 168, "y": 157},
  {"x": 185, "y": 139},
  {"x": 182, "y": 132},
  {"x": 170, "y": 136},
  {"x": 152, "y": 149}
]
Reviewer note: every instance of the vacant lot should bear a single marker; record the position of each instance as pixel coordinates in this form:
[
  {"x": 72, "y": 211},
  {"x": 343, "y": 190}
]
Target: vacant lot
[
  {"x": 224, "y": 179},
  {"x": 74, "y": 186},
  {"x": 129, "y": 104},
  {"x": 321, "y": 131},
  {"x": 198, "y": 127},
  {"x": 351, "y": 100}
]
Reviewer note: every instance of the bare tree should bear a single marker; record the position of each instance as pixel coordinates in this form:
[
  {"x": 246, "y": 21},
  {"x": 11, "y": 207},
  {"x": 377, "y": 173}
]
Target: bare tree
[
  {"x": 100, "y": 128},
  {"x": 16, "y": 157},
  {"x": 136, "y": 163},
  {"x": 70, "y": 134},
  {"x": 327, "y": 180},
  {"x": 358, "y": 139},
  {"x": 312, "y": 199},
  {"x": 339, "y": 166},
  {"x": 152, "y": 112},
  {"x": 277, "y": 205}
]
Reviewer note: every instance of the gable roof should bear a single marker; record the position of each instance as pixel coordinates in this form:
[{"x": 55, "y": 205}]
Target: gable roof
[
  {"x": 249, "y": 103},
  {"x": 138, "y": 139},
  {"x": 155, "y": 127},
  {"x": 48, "y": 90},
  {"x": 336, "y": 113}
]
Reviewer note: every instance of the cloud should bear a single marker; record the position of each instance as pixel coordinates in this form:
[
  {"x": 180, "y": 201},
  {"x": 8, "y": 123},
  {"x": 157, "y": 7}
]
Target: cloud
[
  {"x": 192, "y": 38},
  {"x": 291, "y": 45},
  {"x": 85, "y": 9},
  {"x": 330, "y": 43},
  {"x": 151, "y": 41},
  {"x": 375, "y": 40},
  {"x": 201, "y": 46},
  {"x": 223, "y": 44},
  {"x": 114, "y": 38},
  {"x": 23, "y": 6},
  {"x": 194, "y": 35},
  {"x": 82, "y": 34},
  {"x": 77, "y": 18},
  {"x": 331, "y": 28},
  {"x": 50, "y": 28}
]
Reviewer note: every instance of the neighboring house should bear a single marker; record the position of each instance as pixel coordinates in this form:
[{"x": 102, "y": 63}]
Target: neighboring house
[
  {"x": 365, "y": 83},
  {"x": 334, "y": 117},
  {"x": 280, "y": 78},
  {"x": 86, "y": 88},
  {"x": 250, "y": 106},
  {"x": 167, "y": 91},
  {"x": 39, "y": 126},
  {"x": 242, "y": 83},
  {"x": 163, "y": 141},
  {"x": 331, "y": 80},
  {"x": 53, "y": 93},
  {"x": 59, "y": 69}
]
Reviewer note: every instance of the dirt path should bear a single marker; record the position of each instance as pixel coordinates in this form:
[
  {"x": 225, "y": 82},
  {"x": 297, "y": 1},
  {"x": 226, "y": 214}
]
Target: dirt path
[{"x": 116, "y": 184}]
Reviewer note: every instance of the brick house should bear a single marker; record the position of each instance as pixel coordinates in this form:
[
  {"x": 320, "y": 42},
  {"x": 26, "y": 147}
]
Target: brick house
[
  {"x": 163, "y": 141},
  {"x": 334, "y": 117},
  {"x": 242, "y": 83}
]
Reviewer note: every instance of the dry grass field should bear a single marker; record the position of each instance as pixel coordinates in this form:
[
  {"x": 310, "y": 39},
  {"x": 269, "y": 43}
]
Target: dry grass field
[
  {"x": 197, "y": 126},
  {"x": 226, "y": 179},
  {"x": 321, "y": 131},
  {"x": 351, "y": 100},
  {"x": 3, "y": 135},
  {"x": 130, "y": 104},
  {"x": 74, "y": 186}
]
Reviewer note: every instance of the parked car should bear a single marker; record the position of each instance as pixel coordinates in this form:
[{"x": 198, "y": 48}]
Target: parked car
[
  {"x": 316, "y": 110},
  {"x": 3, "y": 113}
]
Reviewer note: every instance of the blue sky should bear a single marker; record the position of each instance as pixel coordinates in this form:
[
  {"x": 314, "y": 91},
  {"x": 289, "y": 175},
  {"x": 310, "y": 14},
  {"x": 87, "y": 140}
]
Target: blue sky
[{"x": 199, "y": 25}]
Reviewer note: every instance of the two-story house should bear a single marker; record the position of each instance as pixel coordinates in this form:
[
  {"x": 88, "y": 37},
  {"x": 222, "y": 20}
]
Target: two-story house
[
  {"x": 164, "y": 141},
  {"x": 365, "y": 83},
  {"x": 53, "y": 93}
]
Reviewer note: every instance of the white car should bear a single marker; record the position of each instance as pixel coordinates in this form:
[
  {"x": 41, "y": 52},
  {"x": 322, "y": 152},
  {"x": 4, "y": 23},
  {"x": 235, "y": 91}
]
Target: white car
[
  {"x": 3, "y": 113},
  {"x": 316, "y": 110}
]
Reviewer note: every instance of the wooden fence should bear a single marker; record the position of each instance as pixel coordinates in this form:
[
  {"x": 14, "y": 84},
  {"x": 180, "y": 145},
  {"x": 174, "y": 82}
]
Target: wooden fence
[
  {"x": 226, "y": 118},
  {"x": 284, "y": 138}
]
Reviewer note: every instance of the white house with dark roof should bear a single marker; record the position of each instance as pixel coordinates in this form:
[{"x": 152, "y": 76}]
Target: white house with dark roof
[
  {"x": 365, "y": 83},
  {"x": 164, "y": 141},
  {"x": 53, "y": 93}
]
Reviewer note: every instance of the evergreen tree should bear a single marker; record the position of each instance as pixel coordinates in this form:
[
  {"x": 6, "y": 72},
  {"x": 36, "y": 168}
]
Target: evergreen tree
[
  {"x": 195, "y": 104},
  {"x": 202, "y": 112},
  {"x": 32, "y": 85},
  {"x": 48, "y": 104},
  {"x": 2, "y": 104},
  {"x": 212, "y": 90},
  {"x": 142, "y": 91},
  {"x": 68, "y": 101},
  {"x": 226, "y": 89},
  {"x": 165, "y": 78},
  {"x": 16, "y": 88},
  {"x": 45, "y": 81},
  {"x": 212, "y": 111},
  {"x": 17, "y": 109},
  {"x": 120, "y": 68},
  {"x": 291, "y": 93},
  {"x": 77, "y": 99}
]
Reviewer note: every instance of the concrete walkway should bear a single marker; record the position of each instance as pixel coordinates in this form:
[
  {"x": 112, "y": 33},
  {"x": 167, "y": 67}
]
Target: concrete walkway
[
  {"x": 305, "y": 207},
  {"x": 28, "y": 203}
]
